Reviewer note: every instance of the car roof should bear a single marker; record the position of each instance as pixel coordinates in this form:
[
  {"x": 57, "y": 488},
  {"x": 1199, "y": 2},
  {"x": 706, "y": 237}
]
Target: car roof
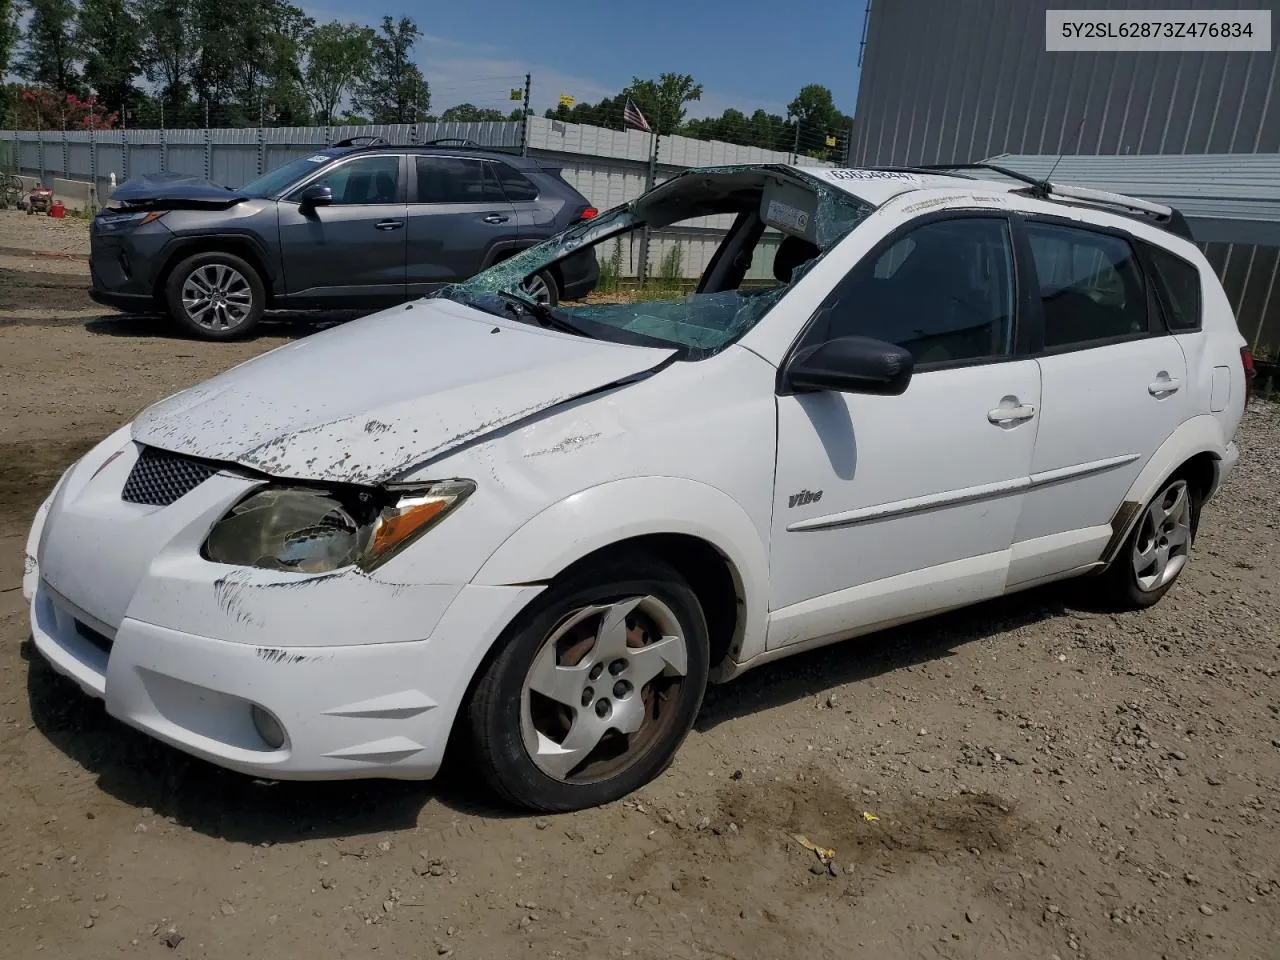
[
  {"x": 878, "y": 185},
  {"x": 482, "y": 153}
]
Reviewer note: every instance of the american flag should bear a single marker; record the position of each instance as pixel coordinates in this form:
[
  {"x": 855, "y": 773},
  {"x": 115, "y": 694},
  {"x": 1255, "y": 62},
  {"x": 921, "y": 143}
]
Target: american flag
[{"x": 632, "y": 117}]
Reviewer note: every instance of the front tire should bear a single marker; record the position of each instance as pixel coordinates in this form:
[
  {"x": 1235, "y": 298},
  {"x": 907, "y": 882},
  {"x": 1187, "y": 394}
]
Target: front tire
[
  {"x": 1158, "y": 548},
  {"x": 542, "y": 287},
  {"x": 594, "y": 687},
  {"x": 215, "y": 296}
]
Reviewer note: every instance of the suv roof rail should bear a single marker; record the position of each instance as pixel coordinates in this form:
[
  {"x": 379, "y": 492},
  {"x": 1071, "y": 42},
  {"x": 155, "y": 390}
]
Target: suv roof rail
[
  {"x": 1160, "y": 214},
  {"x": 362, "y": 142},
  {"x": 452, "y": 142}
]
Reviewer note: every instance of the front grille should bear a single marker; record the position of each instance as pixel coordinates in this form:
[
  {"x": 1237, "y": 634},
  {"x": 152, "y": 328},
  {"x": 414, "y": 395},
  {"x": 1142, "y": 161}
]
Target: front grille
[{"x": 160, "y": 478}]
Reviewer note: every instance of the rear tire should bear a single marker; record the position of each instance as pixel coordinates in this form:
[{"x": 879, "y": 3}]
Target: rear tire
[
  {"x": 215, "y": 296},
  {"x": 593, "y": 688},
  {"x": 543, "y": 288},
  {"x": 1157, "y": 550}
]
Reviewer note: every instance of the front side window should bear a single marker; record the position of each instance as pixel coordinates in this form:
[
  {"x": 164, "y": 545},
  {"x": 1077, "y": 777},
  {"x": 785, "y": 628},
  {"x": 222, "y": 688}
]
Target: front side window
[
  {"x": 944, "y": 291},
  {"x": 693, "y": 264},
  {"x": 456, "y": 180},
  {"x": 365, "y": 180},
  {"x": 1090, "y": 286}
]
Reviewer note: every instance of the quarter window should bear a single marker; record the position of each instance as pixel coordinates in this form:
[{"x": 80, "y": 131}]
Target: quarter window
[
  {"x": 944, "y": 291},
  {"x": 1179, "y": 285},
  {"x": 1090, "y": 286},
  {"x": 457, "y": 180},
  {"x": 515, "y": 185},
  {"x": 365, "y": 180}
]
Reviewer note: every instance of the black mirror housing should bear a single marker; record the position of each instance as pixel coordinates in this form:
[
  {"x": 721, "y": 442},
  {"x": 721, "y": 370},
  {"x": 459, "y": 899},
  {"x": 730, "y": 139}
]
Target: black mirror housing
[
  {"x": 851, "y": 365},
  {"x": 316, "y": 195}
]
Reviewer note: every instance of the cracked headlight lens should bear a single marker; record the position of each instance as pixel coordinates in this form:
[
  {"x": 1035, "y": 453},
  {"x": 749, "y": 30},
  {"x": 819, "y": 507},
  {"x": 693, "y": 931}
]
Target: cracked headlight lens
[{"x": 315, "y": 531}]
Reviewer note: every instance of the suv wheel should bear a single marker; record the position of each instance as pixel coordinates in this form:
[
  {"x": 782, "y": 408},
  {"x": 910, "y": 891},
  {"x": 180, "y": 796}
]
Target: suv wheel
[
  {"x": 215, "y": 296},
  {"x": 543, "y": 289},
  {"x": 1157, "y": 550},
  {"x": 594, "y": 687}
]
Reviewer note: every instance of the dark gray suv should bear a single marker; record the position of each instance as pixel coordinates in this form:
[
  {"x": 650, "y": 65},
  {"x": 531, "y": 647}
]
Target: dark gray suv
[{"x": 356, "y": 225}]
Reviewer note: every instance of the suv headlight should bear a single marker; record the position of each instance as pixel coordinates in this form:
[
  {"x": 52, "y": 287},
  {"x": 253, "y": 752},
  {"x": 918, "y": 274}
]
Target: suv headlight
[{"x": 306, "y": 530}]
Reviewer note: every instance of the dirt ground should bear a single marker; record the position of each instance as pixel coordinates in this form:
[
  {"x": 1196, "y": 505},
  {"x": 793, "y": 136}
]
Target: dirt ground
[{"x": 1026, "y": 779}]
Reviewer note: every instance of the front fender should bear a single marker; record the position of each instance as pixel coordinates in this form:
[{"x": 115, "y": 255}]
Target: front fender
[{"x": 622, "y": 509}]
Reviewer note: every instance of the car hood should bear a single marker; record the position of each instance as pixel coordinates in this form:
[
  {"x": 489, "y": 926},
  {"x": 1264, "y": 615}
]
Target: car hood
[
  {"x": 367, "y": 401},
  {"x": 173, "y": 189}
]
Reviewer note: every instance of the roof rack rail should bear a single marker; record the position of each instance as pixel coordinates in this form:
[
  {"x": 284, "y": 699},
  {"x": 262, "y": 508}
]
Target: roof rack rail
[
  {"x": 1164, "y": 216},
  {"x": 362, "y": 142},
  {"x": 452, "y": 142}
]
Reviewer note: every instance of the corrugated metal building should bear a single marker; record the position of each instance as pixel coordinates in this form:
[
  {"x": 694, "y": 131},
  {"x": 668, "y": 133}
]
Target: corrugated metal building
[{"x": 970, "y": 80}]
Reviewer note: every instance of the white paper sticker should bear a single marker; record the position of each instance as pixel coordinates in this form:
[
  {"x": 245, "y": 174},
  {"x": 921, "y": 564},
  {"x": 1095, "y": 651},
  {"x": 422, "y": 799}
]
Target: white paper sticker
[
  {"x": 318, "y": 158},
  {"x": 784, "y": 215}
]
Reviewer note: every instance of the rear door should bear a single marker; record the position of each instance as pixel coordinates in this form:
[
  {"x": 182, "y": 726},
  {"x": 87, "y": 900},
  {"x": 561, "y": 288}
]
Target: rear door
[
  {"x": 353, "y": 250},
  {"x": 460, "y": 221},
  {"x": 1114, "y": 388},
  {"x": 537, "y": 217}
]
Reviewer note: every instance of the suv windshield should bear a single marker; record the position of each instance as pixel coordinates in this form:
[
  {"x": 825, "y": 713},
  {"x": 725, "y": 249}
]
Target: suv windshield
[
  {"x": 723, "y": 244},
  {"x": 274, "y": 181}
]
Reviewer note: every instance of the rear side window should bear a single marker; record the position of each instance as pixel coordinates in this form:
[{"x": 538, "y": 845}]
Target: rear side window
[
  {"x": 516, "y": 185},
  {"x": 1090, "y": 286},
  {"x": 1178, "y": 283},
  {"x": 456, "y": 180}
]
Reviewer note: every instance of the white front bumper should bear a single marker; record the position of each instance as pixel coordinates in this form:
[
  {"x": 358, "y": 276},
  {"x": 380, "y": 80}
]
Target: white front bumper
[
  {"x": 359, "y": 710},
  {"x": 365, "y": 676}
]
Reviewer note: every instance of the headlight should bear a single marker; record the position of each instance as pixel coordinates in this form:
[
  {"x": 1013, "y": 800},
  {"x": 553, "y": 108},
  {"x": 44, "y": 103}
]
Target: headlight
[{"x": 315, "y": 531}]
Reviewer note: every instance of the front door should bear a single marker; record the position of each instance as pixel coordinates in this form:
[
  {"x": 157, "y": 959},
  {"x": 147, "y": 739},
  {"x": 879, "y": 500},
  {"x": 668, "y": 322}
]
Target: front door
[
  {"x": 889, "y": 506},
  {"x": 1115, "y": 388},
  {"x": 459, "y": 221},
  {"x": 353, "y": 250}
]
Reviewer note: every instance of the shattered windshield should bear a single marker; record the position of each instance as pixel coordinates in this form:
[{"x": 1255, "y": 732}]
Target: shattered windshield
[{"x": 719, "y": 248}]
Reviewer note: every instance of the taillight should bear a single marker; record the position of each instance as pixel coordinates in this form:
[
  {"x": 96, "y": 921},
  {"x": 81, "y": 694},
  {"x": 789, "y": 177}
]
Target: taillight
[
  {"x": 1250, "y": 372},
  {"x": 588, "y": 214}
]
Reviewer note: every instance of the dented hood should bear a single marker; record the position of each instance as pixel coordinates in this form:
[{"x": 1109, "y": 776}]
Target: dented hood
[
  {"x": 172, "y": 190},
  {"x": 364, "y": 402}
]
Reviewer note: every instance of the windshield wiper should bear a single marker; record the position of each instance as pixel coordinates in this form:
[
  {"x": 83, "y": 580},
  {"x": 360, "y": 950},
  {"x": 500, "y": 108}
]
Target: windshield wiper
[{"x": 540, "y": 312}]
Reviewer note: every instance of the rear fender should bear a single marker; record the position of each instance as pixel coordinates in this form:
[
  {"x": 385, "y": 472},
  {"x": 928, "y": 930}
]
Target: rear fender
[{"x": 1202, "y": 434}]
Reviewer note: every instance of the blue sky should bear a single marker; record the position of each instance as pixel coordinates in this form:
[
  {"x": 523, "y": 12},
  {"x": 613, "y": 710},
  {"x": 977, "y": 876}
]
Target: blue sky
[{"x": 746, "y": 54}]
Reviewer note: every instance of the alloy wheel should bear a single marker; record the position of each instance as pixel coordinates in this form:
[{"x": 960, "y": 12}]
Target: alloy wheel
[
  {"x": 1163, "y": 544},
  {"x": 536, "y": 287},
  {"x": 217, "y": 297}
]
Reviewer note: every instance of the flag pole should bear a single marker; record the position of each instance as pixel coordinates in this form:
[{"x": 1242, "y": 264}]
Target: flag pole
[{"x": 650, "y": 180}]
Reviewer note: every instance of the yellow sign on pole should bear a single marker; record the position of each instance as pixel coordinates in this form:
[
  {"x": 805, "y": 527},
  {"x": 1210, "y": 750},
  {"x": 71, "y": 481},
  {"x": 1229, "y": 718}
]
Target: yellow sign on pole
[
  {"x": 517, "y": 93},
  {"x": 831, "y": 141},
  {"x": 566, "y": 100}
]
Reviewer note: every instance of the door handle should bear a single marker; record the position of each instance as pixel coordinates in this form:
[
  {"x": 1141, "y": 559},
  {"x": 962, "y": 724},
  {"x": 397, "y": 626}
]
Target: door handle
[
  {"x": 389, "y": 224},
  {"x": 1002, "y": 416},
  {"x": 496, "y": 218},
  {"x": 1163, "y": 386}
]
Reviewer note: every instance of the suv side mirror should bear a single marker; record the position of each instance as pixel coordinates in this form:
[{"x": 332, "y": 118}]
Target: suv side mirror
[
  {"x": 316, "y": 195},
  {"x": 851, "y": 365}
]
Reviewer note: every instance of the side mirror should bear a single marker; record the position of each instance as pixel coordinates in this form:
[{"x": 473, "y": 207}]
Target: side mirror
[
  {"x": 851, "y": 365},
  {"x": 316, "y": 195}
]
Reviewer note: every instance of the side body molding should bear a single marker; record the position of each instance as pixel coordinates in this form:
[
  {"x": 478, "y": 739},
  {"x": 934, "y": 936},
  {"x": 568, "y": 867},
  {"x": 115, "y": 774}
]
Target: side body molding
[{"x": 621, "y": 509}]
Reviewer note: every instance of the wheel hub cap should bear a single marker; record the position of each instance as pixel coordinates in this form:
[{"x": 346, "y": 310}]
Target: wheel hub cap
[{"x": 594, "y": 697}]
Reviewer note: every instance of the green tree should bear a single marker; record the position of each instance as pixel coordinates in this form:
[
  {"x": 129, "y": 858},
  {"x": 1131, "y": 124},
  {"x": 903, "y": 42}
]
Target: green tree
[
  {"x": 49, "y": 52},
  {"x": 815, "y": 111},
  {"x": 169, "y": 49},
  {"x": 395, "y": 90},
  {"x": 470, "y": 113},
  {"x": 339, "y": 58},
  {"x": 662, "y": 101},
  {"x": 110, "y": 37},
  {"x": 8, "y": 38}
]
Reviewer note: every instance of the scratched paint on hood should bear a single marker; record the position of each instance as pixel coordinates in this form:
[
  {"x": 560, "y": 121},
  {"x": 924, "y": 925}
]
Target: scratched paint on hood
[{"x": 364, "y": 402}]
